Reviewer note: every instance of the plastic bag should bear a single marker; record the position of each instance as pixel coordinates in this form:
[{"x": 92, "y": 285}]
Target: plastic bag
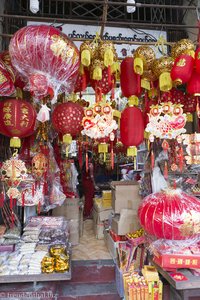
[{"x": 48, "y": 59}]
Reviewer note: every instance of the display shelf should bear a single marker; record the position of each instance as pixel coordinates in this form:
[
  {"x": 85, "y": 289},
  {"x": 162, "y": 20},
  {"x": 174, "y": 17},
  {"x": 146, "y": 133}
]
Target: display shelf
[{"x": 36, "y": 277}]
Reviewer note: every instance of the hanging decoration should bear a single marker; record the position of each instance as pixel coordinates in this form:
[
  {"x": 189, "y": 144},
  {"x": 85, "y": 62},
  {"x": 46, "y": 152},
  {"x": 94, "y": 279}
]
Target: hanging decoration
[
  {"x": 67, "y": 120},
  {"x": 82, "y": 80},
  {"x": 166, "y": 121},
  {"x": 170, "y": 214},
  {"x": 192, "y": 142},
  {"x": 183, "y": 53},
  {"x": 132, "y": 127},
  {"x": 129, "y": 80},
  {"x": 100, "y": 58},
  {"x": 39, "y": 166},
  {"x": 162, "y": 68},
  {"x": 48, "y": 59},
  {"x": 18, "y": 120},
  {"x": 98, "y": 122}
]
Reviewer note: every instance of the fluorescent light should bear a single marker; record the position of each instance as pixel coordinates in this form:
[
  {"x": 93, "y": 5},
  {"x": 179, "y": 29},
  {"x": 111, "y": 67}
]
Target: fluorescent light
[{"x": 34, "y": 6}]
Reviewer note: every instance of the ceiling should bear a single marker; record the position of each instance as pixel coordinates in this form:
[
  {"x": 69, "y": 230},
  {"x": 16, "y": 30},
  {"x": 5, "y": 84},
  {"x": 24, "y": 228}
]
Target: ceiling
[{"x": 168, "y": 15}]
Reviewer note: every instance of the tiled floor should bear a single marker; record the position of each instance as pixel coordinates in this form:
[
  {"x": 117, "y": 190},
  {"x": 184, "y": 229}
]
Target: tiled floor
[{"x": 89, "y": 247}]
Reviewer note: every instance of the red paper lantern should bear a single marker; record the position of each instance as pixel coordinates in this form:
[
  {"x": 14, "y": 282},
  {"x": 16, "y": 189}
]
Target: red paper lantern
[
  {"x": 67, "y": 118},
  {"x": 105, "y": 84},
  {"x": 45, "y": 52},
  {"x": 132, "y": 126},
  {"x": 130, "y": 81},
  {"x": 82, "y": 81},
  {"x": 193, "y": 86},
  {"x": 170, "y": 214},
  {"x": 7, "y": 87},
  {"x": 182, "y": 69},
  {"x": 17, "y": 118}
]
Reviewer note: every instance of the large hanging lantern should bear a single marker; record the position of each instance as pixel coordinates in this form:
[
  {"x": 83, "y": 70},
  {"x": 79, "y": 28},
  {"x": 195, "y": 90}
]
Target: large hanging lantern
[
  {"x": 47, "y": 57},
  {"x": 162, "y": 68},
  {"x": 67, "y": 118},
  {"x": 170, "y": 214},
  {"x": 18, "y": 120},
  {"x": 131, "y": 129},
  {"x": 193, "y": 86},
  {"x": 129, "y": 80}
]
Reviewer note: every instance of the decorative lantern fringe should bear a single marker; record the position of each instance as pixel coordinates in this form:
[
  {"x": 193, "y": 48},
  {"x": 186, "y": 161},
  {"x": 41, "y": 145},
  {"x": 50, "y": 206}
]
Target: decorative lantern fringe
[
  {"x": 132, "y": 151},
  {"x": 15, "y": 142},
  {"x": 97, "y": 73},
  {"x": 165, "y": 82},
  {"x": 108, "y": 57},
  {"x": 85, "y": 58},
  {"x": 138, "y": 66}
]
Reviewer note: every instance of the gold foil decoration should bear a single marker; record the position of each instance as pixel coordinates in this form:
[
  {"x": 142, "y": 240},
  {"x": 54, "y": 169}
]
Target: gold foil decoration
[
  {"x": 107, "y": 53},
  {"x": 61, "y": 47},
  {"x": 143, "y": 59},
  {"x": 184, "y": 46},
  {"x": 162, "y": 68}
]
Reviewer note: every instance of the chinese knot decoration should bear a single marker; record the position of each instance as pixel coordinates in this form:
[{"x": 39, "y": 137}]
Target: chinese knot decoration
[
  {"x": 166, "y": 121},
  {"x": 193, "y": 148},
  {"x": 47, "y": 58},
  {"x": 98, "y": 121},
  {"x": 170, "y": 214},
  {"x": 13, "y": 171}
]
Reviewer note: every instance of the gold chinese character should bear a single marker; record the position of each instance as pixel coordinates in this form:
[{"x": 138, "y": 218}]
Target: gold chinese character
[
  {"x": 181, "y": 62},
  {"x": 194, "y": 262},
  {"x": 6, "y": 109},
  {"x": 180, "y": 261},
  {"x": 8, "y": 123},
  {"x": 172, "y": 261},
  {"x": 187, "y": 261},
  {"x": 24, "y": 124},
  {"x": 7, "y": 116},
  {"x": 24, "y": 110}
]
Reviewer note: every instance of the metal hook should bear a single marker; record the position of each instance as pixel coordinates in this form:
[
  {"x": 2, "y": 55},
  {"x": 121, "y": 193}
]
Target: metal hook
[{"x": 15, "y": 152}]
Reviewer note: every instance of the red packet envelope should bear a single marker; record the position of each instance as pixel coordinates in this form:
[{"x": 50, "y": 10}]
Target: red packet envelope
[{"x": 178, "y": 276}]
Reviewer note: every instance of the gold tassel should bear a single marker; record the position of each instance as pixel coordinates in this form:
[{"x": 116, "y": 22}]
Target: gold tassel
[
  {"x": 138, "y": 66},
  {"x": 85, "y": 58},
  {"x": 108, "y": 57},
  {"x": 15, "y": 142},
  {"x": 97, "y": 73},
  {"x": 165, "y": 82},
  {"x": 132, "y": 151},
  {"x": 67, "y": 138}
]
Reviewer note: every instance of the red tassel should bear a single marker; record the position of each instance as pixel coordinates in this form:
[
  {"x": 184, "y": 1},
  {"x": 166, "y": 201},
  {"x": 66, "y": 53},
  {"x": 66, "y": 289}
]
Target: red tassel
[
  {"x": 1, "y": 199},
  {"x": 109, "y": 75},
  {"x": 80, "y": 156},
  {"x": 14, "y": 202},
  {"x": 112, "y": 156},
  {"x": 86, "y": 161},
  {"x": 11, "y": 202},
  {"x": 166, "y": 170},
  {"x": 84, "y": 82},
  {"x": 113, "y": 91},
  {"x": 152, "y": 160},
  {"x": 174, "y": 184},
  {"x": 181, "y": 159}
]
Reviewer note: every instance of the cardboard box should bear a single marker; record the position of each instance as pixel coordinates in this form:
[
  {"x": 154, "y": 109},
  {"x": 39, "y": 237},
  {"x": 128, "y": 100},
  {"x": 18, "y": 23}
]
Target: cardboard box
[
  {"x": 103, "y": 213},
  {"x": 125, "y": 194},
  {"x": 111, "y": 245},
  {"x": 126, "y": 222},
  {"x": 177, "y": 261},
  {"x": 69, "y": 209}
]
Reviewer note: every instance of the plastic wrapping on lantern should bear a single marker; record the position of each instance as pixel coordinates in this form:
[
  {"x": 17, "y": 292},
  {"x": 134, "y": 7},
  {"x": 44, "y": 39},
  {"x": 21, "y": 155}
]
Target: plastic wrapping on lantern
[
  {"x": 30, "y": 197},
  {"x": 170, "y": 214},
  {"x": 186, "y": 247},
  {"x": 48, "y": 59}
]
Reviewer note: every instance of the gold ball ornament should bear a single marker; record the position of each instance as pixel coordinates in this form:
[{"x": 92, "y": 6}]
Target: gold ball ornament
[
  {"x": 183, "y": 46},
  {"x": 107, "y": 53},
  {"x": 162, "y": 68},
  {"x": 147, "y": 55}
]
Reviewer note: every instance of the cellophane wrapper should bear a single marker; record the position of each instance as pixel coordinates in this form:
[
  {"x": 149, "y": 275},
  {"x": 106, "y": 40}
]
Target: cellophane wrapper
[
  {"x": 47, "y": 58},
  {"x": 170, "y": 214}
]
